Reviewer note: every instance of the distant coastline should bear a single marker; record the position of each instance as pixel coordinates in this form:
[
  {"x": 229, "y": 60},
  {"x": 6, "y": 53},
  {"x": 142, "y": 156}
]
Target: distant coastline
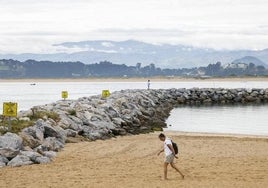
[{"x": 139, "y": 79}]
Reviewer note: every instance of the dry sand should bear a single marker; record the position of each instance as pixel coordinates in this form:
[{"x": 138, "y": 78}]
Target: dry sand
[{"x": 131, "y": 161}]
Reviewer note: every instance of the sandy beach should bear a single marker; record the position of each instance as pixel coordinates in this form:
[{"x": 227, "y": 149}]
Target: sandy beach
[{"x": 131, "y": 161}]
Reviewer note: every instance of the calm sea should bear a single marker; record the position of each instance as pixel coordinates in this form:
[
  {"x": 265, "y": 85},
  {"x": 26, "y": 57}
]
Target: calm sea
[
  {"x": 203, "y": 119},
  {"x": 235, "y": 119}
]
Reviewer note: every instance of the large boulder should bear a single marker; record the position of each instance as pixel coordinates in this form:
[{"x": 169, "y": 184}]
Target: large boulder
[
  {"x": 52, "y": 144},
  {"x": 56, "y": 132},
  {"x": 31, "y": 154},
  {"x": 9, "y": 152},
  {"x": 70, "y": 122},
  {"x": 36, "y": 131},
  {"x": 10, "y": 140},
  {"x": 95, "y": 133},
  {"x": 42, "y": 160},
  {"x": 10, "y": 144},
  {"x": 20, "y": 160},
  {"x": 29, "y": 140}
]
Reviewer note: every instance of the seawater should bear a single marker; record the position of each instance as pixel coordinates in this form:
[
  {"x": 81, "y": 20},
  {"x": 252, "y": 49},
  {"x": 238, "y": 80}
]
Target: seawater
[
  {"x": 223, "y": 119},
  {"x": 231, "y": 119}
]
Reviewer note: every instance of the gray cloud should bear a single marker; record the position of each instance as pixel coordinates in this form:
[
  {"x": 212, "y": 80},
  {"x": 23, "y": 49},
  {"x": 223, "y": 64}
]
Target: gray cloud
[{"x": 208, "y": 23}]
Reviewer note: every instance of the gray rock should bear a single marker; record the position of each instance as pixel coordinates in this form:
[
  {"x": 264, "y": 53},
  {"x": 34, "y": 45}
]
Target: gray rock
[
  {"x": 207, "y": 101},
  {"x": 31, "y": 154},
  {"x": 70, "y": 122},
  {"x": 39, "y": 149},
  {"x": 26, "y": 113},
  {"x": 112, "y": 112},
  {"x": 180, "y": 100},
  {"x": 51, "y": 122},
  {"x": 36, "y": 131},
  {"x": 62, "y": 135},
  {"x": 96, "y": 133},
  {"x": 3, "y": 159},
  {"x": 118, "y": 121},
  {"x": 71, "y": 133},
  {"x": 24, "y": 119},
  {"x": 119, "y": 131},
  {"x": 29, "y": 140},
  {"x": 249, "y": 90},
  {"x": 27, "y": 148},
  {"x": 10, "y": 144},
  {"x": 52, "y": 144},
  {"x": 20, "y": 160},
  {"x": 9, "y": 152},
  {"x": 42, "y": 160},
  {"x": 50, "y": 131},
  {"x": 10, "y": 140},
  {"x": 39, "y": 123},
  {"x": 50, "y": 154},
  {"x": 56, "y": 132}
]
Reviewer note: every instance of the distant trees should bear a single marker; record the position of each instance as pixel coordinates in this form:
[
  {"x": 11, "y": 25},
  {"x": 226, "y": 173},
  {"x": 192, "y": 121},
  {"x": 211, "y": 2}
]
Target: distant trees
[
  {"x": 234, "y": 69},
  {"x": 47, "y": 69},
  {"x": 214, "y": 69}
]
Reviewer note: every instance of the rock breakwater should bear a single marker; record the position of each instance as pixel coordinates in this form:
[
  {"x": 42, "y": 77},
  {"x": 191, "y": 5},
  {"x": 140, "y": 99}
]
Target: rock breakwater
[{"x": 123, "y": 113}]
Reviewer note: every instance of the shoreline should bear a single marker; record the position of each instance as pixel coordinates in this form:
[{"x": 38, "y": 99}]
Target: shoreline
[
  {"x": 126, "y": 112},
  {"x": 207, "y": 159},
  {"x": 131, "y": 161},
  {"x": 138, "y": 79},
  {"x": 219, "y": 135}
]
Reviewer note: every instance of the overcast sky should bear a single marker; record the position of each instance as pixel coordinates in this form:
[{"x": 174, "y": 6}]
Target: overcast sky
[{"x": 35, "y": 25}]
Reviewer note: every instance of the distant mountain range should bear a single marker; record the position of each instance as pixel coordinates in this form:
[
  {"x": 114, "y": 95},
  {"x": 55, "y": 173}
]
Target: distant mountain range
[
  {"x": 131, "y": 52},
  {"x": 250, "y": 59}
]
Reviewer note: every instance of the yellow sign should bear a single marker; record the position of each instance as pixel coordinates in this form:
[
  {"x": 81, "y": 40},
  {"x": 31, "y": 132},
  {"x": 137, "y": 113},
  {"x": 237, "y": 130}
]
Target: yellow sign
[
  {"x": 10, "y": 109},
  {"x": 105, "y": 93},
  {"x": 64, "y": 94}
]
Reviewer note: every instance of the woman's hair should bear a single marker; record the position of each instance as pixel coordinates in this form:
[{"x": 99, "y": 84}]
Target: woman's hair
[{"x": 161, "y": 135}]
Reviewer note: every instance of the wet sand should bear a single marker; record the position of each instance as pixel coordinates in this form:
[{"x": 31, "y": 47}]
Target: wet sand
[{"x": 131, "y": 161}]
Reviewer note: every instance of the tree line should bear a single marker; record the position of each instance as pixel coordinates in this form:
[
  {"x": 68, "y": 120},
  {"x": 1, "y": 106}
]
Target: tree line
[{"x": 10, "y": 68}]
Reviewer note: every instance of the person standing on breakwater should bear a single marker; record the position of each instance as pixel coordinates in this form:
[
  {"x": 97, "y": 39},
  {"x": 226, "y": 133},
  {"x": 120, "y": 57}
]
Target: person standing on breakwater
[
  {"x": 169, "y": 155},
  {"x": 148, "y": 84}
]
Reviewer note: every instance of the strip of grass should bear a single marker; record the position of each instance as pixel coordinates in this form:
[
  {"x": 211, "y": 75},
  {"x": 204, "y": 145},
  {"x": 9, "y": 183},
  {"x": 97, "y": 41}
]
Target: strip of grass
[{"x": 17, "y": 125}]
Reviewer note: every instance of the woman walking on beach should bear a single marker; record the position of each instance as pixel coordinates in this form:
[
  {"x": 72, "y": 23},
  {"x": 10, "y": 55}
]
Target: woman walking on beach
[{"x": 169, "y": 155}]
